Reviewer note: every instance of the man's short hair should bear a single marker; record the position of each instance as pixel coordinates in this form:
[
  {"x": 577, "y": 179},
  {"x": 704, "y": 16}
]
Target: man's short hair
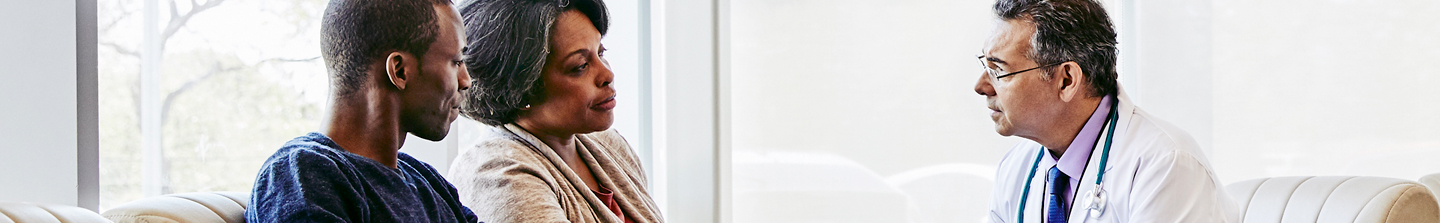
[
  {"x": 508, "y": 43},
  {"x": 1069, "y": 30},
  {"x": 356, "y": 33}
]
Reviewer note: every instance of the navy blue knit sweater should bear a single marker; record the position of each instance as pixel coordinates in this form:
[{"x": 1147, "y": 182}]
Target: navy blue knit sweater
[{"x": 311, "y": 179}]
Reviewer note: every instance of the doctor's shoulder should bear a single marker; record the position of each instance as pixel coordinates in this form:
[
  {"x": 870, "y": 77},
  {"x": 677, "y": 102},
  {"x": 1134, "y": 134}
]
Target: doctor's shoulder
[
  {"x": 1016, "y": 161},
  {"x": 1159, "y": 146},
  {"x": 1158, "y": 135},
  {"x": 1165, "y": 156},
  {"x": 1022, "y": 154},
  {"x": 1008, "y": 177}
]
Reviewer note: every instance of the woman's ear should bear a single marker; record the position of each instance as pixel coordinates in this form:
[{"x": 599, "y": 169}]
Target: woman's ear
[
  {"x": 399, "y": 67},
  {"x": 1071, "y": 79}
]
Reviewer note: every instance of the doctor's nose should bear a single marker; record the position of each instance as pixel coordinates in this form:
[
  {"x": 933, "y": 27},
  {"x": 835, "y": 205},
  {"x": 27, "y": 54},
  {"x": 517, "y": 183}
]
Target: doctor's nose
[{"x": 983, "y": 85}]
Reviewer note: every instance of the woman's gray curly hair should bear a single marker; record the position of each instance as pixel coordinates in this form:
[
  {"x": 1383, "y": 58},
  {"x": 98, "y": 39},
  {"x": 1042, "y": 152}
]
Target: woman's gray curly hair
[{"x": 508, "y": 43}]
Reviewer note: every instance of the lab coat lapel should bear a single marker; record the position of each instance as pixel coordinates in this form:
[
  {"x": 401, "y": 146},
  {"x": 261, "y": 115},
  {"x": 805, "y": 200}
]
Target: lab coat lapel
[
  {"x": 1125, "y": 110},
  {"x": 1081, "y": 201},
  {"x": 1035, "y": 202}
]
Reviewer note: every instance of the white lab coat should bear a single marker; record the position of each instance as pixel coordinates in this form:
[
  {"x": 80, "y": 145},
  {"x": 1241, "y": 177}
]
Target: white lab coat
[{"x": 1156, "y": 173}]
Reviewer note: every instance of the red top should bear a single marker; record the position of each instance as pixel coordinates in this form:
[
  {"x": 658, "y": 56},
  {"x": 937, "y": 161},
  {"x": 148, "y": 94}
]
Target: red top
[{"x": 609, "y": 198}]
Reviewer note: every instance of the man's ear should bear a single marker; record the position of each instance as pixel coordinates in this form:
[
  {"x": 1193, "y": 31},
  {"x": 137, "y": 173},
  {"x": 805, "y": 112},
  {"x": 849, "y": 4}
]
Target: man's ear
[
  {"x": 1071, "y": 79},
  {"x": 399, "y": 67}
]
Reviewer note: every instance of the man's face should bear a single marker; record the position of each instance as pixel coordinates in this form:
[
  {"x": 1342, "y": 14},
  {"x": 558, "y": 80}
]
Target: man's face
[
  {"x": 1021, "y": 104},
  {"x": 431, "y": 99}
]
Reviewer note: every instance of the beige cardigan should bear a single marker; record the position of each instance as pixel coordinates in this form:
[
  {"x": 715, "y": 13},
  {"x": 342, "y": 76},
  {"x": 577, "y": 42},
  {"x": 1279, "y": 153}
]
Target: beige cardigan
[{"x": 511, "y": 176}]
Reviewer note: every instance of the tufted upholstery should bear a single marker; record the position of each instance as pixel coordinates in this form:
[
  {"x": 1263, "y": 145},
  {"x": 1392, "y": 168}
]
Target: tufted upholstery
[
  {"x": 1334, "y": 199},
  {"x": 187, "y": 207},
  {"x": 29, "y": 212}
]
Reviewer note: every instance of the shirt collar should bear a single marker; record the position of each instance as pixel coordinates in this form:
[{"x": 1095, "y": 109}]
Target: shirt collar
[{"x": 1078, "y": 154}]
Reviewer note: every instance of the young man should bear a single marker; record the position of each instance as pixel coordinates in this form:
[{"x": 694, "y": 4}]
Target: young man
[
  {"x": 1093, "y": 156},
  {"x": 395, "y": 68}
]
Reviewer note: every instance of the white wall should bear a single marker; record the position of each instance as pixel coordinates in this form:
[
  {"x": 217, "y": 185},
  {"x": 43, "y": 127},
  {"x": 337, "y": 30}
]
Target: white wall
[
  {"x": 1325, "y": 88},
  {"x": 1165, "y": 61},
  {"x": 38, "y": 133},
  {"x": 684, "y": 113}
]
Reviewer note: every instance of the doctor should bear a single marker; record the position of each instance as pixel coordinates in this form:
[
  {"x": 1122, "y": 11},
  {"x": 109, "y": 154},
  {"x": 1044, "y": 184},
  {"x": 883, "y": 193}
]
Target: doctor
[{"x": 1093, "y": 156}]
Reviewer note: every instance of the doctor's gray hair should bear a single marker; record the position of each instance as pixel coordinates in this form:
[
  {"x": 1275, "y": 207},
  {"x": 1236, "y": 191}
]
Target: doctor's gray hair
[
  {"x": 508, "y": 43},
  {"x": 1069, "y": 30}
]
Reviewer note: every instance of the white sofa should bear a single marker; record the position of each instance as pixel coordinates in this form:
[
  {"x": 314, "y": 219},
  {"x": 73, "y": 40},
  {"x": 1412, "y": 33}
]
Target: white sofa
[
  {"x": 1432, "y": 181},
  {"x": 184, "y": 207},
  {"x": 1334, "y": 199},
  {"x": 11, "y": 212}
]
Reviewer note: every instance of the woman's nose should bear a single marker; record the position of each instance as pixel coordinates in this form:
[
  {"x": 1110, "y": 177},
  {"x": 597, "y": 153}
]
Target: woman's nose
[{"x": 606, "y": 76}]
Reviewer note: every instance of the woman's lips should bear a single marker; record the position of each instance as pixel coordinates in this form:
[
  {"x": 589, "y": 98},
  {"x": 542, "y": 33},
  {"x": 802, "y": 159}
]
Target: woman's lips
[{"x": 605, "y": 105}]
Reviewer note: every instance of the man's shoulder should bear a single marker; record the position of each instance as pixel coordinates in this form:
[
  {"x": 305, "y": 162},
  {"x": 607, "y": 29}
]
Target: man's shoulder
[
  {"x": 1157, "y": 136},
  {"x": 305, "y": 161},
  {"x": 1024, "y": 151},
  {"x": 308, "y": 152},
  {"x": 1156, "y": 142},
  {"x": 289, "y": 185},
  {"x": 310, "y": 144},
  {"x": 1017, "y": 161},
  {"x": 420, "y": 167}
]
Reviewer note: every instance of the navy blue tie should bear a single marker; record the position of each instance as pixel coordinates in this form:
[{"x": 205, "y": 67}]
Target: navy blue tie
[{"x": 1059, "y": 183}]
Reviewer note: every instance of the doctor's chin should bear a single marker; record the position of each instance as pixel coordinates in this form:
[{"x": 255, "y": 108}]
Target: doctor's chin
[{"x": 720, "y": 111}]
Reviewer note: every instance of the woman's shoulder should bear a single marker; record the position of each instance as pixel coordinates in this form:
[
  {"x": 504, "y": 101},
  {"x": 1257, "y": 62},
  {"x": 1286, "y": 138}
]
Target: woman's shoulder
[
  {"x": 613, "y": 145},
  {"x": 609, "y": 139},
  {"x": 497, "y": 141},
  {"x": 497, "y": 152}
]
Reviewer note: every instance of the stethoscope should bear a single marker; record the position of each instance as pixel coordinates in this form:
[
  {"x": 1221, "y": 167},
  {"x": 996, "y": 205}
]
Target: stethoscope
[{"x": 1097, "y": 196}]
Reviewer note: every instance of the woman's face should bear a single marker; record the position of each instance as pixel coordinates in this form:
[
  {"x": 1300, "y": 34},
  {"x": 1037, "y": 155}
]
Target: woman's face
[{"x": 577, "y": 96}]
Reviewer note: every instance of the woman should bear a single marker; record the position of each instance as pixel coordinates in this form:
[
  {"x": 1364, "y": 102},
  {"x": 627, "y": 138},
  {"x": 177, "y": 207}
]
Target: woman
[{"x": 543, "y": 87}]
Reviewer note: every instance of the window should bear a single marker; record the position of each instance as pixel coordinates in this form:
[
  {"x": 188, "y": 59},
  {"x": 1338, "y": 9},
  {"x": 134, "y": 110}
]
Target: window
[
  {"x": 234, "y": 80},
  {"x": 231, "y": 82}
]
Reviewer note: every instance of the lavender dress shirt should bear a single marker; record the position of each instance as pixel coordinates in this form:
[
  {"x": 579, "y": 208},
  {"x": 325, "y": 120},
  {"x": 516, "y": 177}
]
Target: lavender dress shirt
[{"x": 1073, "y": 162}]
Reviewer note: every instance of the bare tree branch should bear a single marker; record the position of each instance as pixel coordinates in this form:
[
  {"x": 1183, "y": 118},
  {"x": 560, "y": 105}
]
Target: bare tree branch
[
  {"x": 215, "y": 69},
  {"x": 174, "y": 11},
  {"x": 178, "y": 20},
  {"x": 285, "y": 60},
  {"x": 106, "y": 28},
  {"x": 170, "y": 98},
  {"x": 120, "y": 49}
]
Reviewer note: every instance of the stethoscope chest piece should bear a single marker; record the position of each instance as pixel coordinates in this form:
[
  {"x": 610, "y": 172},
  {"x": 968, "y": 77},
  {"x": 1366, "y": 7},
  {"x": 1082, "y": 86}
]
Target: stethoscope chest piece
[{"x": 1097, "y": 203}]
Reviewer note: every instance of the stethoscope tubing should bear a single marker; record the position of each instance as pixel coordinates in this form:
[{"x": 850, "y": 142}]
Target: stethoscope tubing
[{"x": 1104, "y": 159}]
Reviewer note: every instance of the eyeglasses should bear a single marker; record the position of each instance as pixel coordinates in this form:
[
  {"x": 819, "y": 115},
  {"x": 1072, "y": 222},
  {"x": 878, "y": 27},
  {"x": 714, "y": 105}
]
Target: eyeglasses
[{"x": 995, "y": 73}]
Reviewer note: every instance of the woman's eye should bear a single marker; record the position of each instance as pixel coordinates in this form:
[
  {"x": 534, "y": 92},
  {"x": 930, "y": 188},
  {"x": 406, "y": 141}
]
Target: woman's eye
[
  {"x": 582, "y": 67},
  {"x": 457, "y": 62}
]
